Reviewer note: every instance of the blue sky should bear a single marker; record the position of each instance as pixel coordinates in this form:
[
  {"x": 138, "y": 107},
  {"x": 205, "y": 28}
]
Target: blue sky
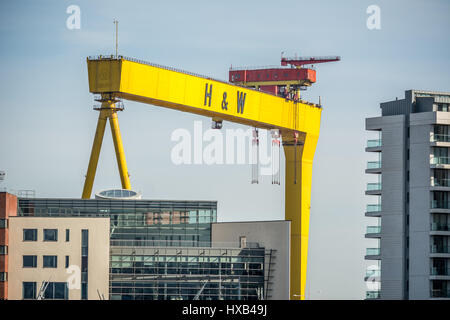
[{"x": 47, "y": 122}]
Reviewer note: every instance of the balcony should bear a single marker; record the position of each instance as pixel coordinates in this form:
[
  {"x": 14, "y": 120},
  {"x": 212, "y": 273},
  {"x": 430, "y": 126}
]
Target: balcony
[
  {"x": 373, "y": 167},
  {"x": 374, "y": 145},
  {"x": 438, "y": 271},
  {"x": 440, "y": 293},
  {"x": 372, "y": 275},
  {"x": 373, "y": 232},
  {"x": 440, "y": 138},
  {"x": 437, "y": 182},
  {"x": 439, "y": 249},
  {"x": 373, "y": 188},
  {"x": 373, "y": 294},
  {"x": 435, "y": 204},
  {"x": 373, "y": 210},
  {"x": 435, "y": 226},
  {"x": 440, "y": 160},
  {"x": 372, "y": 254}
]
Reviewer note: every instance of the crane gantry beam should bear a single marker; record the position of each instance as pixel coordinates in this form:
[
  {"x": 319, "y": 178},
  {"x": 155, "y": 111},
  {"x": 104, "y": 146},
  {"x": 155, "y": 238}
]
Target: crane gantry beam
[{"x": 117, "y": 77}]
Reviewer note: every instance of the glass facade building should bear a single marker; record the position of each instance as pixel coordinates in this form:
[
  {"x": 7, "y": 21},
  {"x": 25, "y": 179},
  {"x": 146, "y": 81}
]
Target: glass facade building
[{"x": 162, "y": 250}]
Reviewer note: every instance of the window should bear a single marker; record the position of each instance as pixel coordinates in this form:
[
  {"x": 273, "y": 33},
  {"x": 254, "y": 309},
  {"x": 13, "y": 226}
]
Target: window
[
  {"x": 67, "y": 235},
  {"x": 50, "y": 262},
  {"x": 50, "y": 234},
  {"x": 84, "y": 263},
  {"x": 29, "y": 290},
  {"x": 3, "y": 250},
  {"x": 29, "y": 234},
  {"x": 84, "y": 293},
  {"x": 3, "y": 223},
  {"x": 29, "y": 261},
  {"x": 3, "y": 276},
  {"x": 56, "y": 290},
  {"x": 67, "y": 261}
]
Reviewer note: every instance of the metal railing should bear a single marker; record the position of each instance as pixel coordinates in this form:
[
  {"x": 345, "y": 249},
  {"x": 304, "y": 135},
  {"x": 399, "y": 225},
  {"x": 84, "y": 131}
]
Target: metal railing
[
  {"x": 374, "y": 143},
  {"x": 113, "y": 57},
  {"x": 440, "y": 293},
  {"x": 372, "y": 251},
  {"x": 440, "y": 271},
  {"x": 372, "y": 294},
  {"x": 374, "y": 165},
  {"x": 440, "y": 160},
  {"x": 373, "y": 229},
  {"x": 373, "y": 273},
  {"x": 438, "y": 182},
  {"x": 435, "y": 204},
  {"x": 373, "y": 208},
  {"x": 373, "y": 186},
  {"x": 181, "y": 243},
  {"x": 439, "y": 249},
  {"x": 435, "y": 226},
  {"x": 440, "y": 138}
]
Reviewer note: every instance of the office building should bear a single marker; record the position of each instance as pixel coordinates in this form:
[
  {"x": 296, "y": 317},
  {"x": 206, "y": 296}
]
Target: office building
[
  {"x": 411, "y": 194},
  {"x": 169, "y": 250}
]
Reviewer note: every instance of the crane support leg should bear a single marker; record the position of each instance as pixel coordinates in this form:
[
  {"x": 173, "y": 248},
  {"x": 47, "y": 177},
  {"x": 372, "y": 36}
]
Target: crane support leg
[
  {"x": 120, "y": 154},
  {"x": 107, "y": 110},
  {"x": 299, "y": 161},
  {"x": 95, "y": 153}
]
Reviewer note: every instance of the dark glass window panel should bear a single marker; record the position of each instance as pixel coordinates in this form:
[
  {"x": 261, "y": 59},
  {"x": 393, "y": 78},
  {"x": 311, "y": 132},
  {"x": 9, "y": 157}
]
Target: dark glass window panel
[
  {"x": 29, "y": 290},
  {"x": 84, "y": 291},
  {"x": 29, "y": 261},
  {"x": 84, "y": 264},
  {"x": 29, "y": 234},
  {"x": 50, "y": 262},
  {"x": 84, "y": 238},
  {"x": 50, "y": 234}
]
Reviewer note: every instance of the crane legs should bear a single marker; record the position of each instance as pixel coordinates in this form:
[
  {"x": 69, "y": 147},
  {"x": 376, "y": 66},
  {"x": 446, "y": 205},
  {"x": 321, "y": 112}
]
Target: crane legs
[
  {"x": 107, "y": 110},
  {"x": 299, "y": 161}
]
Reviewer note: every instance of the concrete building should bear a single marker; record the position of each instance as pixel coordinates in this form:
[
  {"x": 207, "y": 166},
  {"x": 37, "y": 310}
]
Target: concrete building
[
  {"x": 274, "y": 235},
  {"x": 52, "y": 255},
  {"x": 58, "y": 252},
  {"x": 412, "y": 189}
]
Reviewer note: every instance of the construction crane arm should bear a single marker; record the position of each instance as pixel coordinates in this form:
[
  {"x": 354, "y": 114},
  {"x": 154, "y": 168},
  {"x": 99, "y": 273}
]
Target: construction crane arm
[{"x": 165, "y": 87}]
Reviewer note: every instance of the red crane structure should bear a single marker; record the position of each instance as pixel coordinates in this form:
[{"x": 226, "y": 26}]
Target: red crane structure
[{"x": 281, "y": 81}]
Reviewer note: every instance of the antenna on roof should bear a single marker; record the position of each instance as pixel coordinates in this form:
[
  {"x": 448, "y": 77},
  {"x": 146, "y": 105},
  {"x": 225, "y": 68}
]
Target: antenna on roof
[{"x": 116, "y": 22}]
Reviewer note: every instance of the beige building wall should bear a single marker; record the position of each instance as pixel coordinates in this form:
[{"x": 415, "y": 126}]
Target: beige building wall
[{"x": 98, "y": 254}]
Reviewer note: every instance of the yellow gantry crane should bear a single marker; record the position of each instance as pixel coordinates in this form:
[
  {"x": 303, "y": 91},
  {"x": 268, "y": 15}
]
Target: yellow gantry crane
[{"x": 116, "y": 77}]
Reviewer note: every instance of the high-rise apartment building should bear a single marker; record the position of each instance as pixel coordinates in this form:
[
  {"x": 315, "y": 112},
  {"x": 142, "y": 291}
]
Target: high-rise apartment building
[{"x": 412, "y": 197}]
